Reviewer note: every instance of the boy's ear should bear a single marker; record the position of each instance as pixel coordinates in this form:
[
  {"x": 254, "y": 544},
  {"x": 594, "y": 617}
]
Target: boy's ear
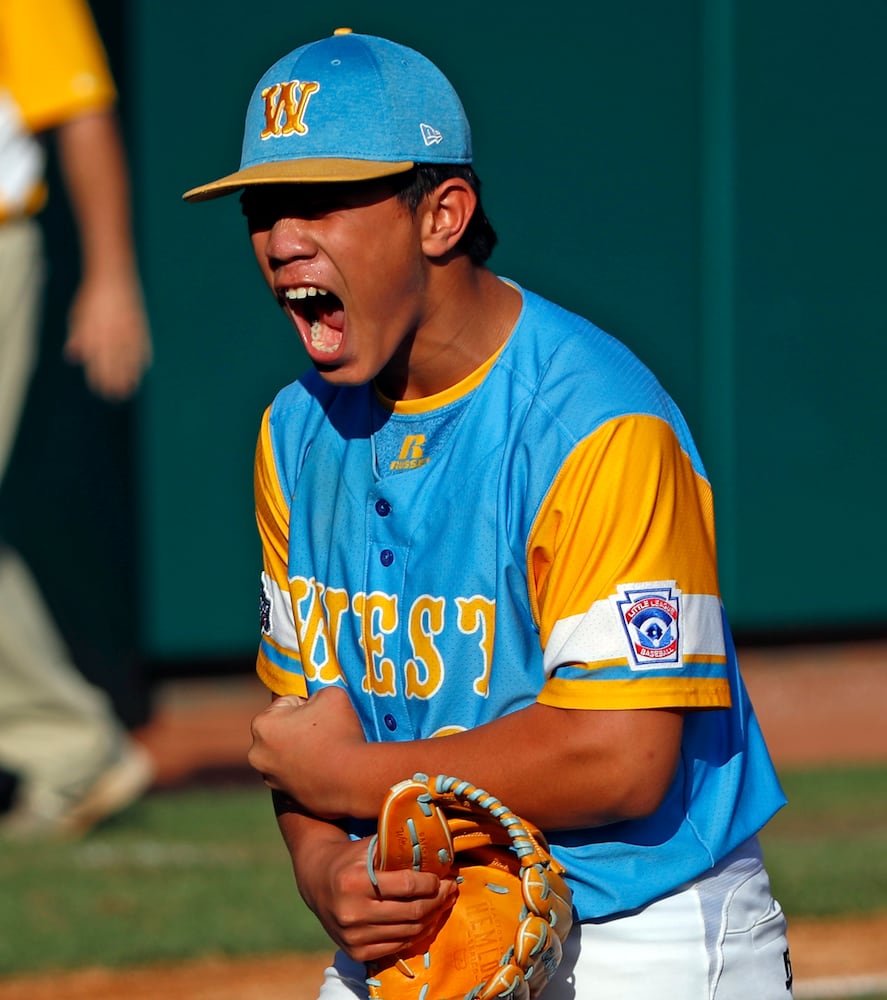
[{"x": 447, "y": 212}]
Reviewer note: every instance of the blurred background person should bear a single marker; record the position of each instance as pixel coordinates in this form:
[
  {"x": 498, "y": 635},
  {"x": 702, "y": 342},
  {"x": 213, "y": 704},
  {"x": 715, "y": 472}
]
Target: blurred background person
[{"x": 66, "y": 761}]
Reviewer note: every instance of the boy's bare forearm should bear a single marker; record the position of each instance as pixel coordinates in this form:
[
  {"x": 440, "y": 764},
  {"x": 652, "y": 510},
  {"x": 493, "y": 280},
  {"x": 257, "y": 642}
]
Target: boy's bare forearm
[{"x": 558, "y": 768}]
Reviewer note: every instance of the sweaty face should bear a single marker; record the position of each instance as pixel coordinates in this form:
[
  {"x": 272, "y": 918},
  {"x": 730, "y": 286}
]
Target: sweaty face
[{"x": 345, "y": 264}]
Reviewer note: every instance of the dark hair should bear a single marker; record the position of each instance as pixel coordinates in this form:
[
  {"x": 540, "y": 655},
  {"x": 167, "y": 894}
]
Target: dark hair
[{"x": 479, "y": 238}]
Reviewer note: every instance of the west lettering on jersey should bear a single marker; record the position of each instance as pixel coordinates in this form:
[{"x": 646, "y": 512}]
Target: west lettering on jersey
[
  {"x": 318, "y": 611},
  {"x": 425, "y": 669},
  {"x": 319, "y": 614},
  {"x": 478, "y": 615},
  {"x": 285, "y": 105},
  {"x": 378, "y": 617}
]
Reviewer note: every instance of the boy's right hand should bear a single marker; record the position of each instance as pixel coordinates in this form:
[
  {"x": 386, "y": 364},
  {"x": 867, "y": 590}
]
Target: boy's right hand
[{"x": 369, "y": 922}]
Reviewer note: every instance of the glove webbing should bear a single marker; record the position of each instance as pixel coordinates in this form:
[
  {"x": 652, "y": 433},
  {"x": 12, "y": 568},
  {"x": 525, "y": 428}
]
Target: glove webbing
[{"x": 473, "y": 797}]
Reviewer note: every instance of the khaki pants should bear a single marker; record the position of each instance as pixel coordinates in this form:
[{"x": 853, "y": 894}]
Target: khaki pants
[{"x": 57, "y": 732}]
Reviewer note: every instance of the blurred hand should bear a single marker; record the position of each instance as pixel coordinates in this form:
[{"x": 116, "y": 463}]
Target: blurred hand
[{"x": 108, "y": 335}]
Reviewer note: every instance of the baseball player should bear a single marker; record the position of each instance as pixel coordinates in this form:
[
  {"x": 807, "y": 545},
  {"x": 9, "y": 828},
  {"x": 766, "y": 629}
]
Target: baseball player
[{"x": 488, "y": 551}]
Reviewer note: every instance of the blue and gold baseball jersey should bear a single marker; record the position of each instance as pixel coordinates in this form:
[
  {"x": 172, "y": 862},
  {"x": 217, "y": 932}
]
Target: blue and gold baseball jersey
[{"x": 542, "y": 531}]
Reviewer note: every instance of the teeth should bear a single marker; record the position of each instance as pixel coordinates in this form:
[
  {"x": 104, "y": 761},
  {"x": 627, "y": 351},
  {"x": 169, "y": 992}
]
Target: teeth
[
  {"x": 317, "y": 331},
  {"x": 317, "y": 339},
  {"x": 304, "y": 291}
]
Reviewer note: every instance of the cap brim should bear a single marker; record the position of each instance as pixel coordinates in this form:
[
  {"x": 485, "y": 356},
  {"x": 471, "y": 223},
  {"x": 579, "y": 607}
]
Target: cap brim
[{"x": 307, "y": 171}]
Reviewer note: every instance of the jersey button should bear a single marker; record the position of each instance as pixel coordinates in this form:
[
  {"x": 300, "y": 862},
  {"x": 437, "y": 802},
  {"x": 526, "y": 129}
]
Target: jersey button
[
  {"x": 383, "y": 508},
  {"x": 386, "y": 557},
  {"x": 390, "y": 722}
]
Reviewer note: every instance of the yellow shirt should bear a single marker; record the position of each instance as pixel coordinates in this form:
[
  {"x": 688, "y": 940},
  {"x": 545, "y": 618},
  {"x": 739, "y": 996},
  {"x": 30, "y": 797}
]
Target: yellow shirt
[{"x": 53, "y": 68}]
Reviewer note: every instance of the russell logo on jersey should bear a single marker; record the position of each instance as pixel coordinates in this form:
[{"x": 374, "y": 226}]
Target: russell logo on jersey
[{"x": 412, "y": 454}]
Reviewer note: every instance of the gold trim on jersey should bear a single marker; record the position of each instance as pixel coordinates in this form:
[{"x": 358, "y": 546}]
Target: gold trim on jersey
[
  {"x": 633, "y": 693},
  {"x": 272, "y": 508},
  {"x": 279, "y": 681},
  {"x": 429, "y": 403}
]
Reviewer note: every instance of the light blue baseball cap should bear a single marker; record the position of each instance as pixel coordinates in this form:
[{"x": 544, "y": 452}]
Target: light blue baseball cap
[{"x": 349, "y": 107}]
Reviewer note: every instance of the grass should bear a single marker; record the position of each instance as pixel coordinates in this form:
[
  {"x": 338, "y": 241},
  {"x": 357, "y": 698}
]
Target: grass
[
  {"x": 827, "y": 851},
  {"x": 179, "y": 875},
  {"x": 205, "y": 872}
]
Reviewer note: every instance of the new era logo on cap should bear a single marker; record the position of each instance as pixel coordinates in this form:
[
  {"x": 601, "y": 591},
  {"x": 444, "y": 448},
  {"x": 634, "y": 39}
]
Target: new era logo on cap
[{"x": 430, "y": 135}]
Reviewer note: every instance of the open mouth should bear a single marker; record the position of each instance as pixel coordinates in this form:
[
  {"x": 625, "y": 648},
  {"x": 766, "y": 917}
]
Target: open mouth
[{"x": 319, "y": 317}]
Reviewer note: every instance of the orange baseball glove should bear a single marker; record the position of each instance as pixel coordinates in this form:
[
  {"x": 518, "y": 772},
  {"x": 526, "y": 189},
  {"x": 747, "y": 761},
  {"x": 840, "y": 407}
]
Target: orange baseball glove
[{"x": 503, "y": 935}]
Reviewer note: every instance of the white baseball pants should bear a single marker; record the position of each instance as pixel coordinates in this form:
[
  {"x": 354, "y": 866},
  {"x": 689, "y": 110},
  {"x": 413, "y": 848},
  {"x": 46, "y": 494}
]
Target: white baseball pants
[{"x": 721, "y": 937}]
